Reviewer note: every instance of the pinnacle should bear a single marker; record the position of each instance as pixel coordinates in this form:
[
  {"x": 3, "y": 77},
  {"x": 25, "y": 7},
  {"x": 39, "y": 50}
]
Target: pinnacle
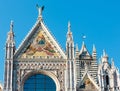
[
  {"x": 77, "y": 47},
  {"x": 104, "y": 54},
  {"x": 11, "y": 26},
  {"x": 94, "y": 48}
]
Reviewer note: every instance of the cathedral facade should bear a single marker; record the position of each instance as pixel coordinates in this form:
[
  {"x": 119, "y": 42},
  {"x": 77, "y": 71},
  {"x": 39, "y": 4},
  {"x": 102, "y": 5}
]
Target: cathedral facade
[{"x": 40, "y": 64}]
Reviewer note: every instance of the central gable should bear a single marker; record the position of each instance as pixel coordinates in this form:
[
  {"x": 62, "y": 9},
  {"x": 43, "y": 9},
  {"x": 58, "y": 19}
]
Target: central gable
[
  {"x": 41, "y": 46},
  {"x": 39, "y": 43}
]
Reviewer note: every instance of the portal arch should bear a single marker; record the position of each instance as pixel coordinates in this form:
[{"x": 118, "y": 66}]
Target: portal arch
[{"x": 42, "y": 72}]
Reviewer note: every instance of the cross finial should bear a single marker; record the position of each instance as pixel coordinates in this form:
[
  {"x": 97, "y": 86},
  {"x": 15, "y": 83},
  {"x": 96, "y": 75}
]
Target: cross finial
[{"x": 40, "y": 9}]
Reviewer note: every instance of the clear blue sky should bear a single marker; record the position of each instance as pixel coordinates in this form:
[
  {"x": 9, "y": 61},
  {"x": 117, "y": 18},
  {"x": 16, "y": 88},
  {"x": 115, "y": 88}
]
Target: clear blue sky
[{"x": 99, "y": 20}]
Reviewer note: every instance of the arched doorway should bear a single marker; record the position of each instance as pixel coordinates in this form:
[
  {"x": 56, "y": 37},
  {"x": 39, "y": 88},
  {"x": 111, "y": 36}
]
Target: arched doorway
[{"x": 39, "y": 82}]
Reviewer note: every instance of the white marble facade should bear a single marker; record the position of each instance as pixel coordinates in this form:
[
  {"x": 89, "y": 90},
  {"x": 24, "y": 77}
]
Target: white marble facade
[{"x": 73, "y": 70}]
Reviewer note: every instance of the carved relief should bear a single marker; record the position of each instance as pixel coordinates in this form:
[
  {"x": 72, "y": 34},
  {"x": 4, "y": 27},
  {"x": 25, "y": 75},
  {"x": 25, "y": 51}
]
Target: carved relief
[{"x": 61, "y": 79}]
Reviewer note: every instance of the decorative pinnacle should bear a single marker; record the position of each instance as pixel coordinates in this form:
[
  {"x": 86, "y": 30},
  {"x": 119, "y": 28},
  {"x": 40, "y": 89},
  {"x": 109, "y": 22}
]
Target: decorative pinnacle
[
  {"x": 112, "y": 61},
  {"x": 40, "y": 9},
  {"x": 94, "y": 49},
  {"x": 69, "y": 26},
  {"x": 77, "y": 47},
  {"x": 11, "y": 29},
  {"x": 105, "y": 57},
  {"x": 104, "y": 53},
  {"x": 10, "y": 33},
  {"x": 83, "y": 43},
  {"x": 11, "y": 26},
  {"x": 69, "y": 33}
]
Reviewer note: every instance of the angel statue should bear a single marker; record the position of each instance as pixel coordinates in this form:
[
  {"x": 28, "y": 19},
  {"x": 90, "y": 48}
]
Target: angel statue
[{"x": 40, "y": 9}]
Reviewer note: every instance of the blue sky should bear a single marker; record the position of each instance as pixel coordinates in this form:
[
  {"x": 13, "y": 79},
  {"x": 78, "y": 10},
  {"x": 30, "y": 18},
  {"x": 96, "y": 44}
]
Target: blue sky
[{"x": 99, "y": 20}]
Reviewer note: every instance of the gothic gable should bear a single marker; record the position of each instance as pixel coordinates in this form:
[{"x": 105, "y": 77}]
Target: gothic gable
[
  {"x": 84, "y": 54},
  {"x": 39, "y": 44},
  {"x": 87, "y": 83}
]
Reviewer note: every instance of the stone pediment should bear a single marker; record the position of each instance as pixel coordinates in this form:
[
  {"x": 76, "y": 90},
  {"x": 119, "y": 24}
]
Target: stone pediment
[
  {"x": 39, "y": 43},
  {"x": 87, "y": 84},
  {"x": 84, "y": 54}
]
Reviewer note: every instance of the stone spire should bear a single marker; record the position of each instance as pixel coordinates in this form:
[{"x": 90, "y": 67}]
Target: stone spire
[
  {"x": 70, "y": 62},
  {"x": 104, "y": 57},
  {"x": 112, "y": 63},
  {"x": 83, "y": 48},
  {"x": 94, "y": 48},
  {"x": 10, "y": 37},
  {"x": 83, "y": 43},
  {"x": 69, "y": 27},
  {"x": 77, "y": 49},
  {"x": 10, "y": 49},
  {"x": 11, "y": 26},
  {"x": 69, "y": 43},
  {"x": 69, "y": 33},
  {"x": 94, "y": 54}
]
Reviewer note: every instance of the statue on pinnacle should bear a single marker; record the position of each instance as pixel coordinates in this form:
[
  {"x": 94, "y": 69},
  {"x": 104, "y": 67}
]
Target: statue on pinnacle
[{"x": 40, "y": 9}]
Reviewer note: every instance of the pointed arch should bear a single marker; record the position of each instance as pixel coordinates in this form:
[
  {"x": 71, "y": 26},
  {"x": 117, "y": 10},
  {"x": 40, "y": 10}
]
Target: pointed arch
[{"x": 88, "y": 79}]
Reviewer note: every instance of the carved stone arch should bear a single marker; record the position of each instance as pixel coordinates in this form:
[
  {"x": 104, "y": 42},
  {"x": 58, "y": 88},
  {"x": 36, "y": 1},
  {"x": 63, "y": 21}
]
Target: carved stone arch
[{"x": 47, "y": 73}]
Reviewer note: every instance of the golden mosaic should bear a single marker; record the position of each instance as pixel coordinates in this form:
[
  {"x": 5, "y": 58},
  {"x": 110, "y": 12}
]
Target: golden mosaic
[
  {"x": 40, "y": 47},
  {"x": 87, "y": 84}
]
